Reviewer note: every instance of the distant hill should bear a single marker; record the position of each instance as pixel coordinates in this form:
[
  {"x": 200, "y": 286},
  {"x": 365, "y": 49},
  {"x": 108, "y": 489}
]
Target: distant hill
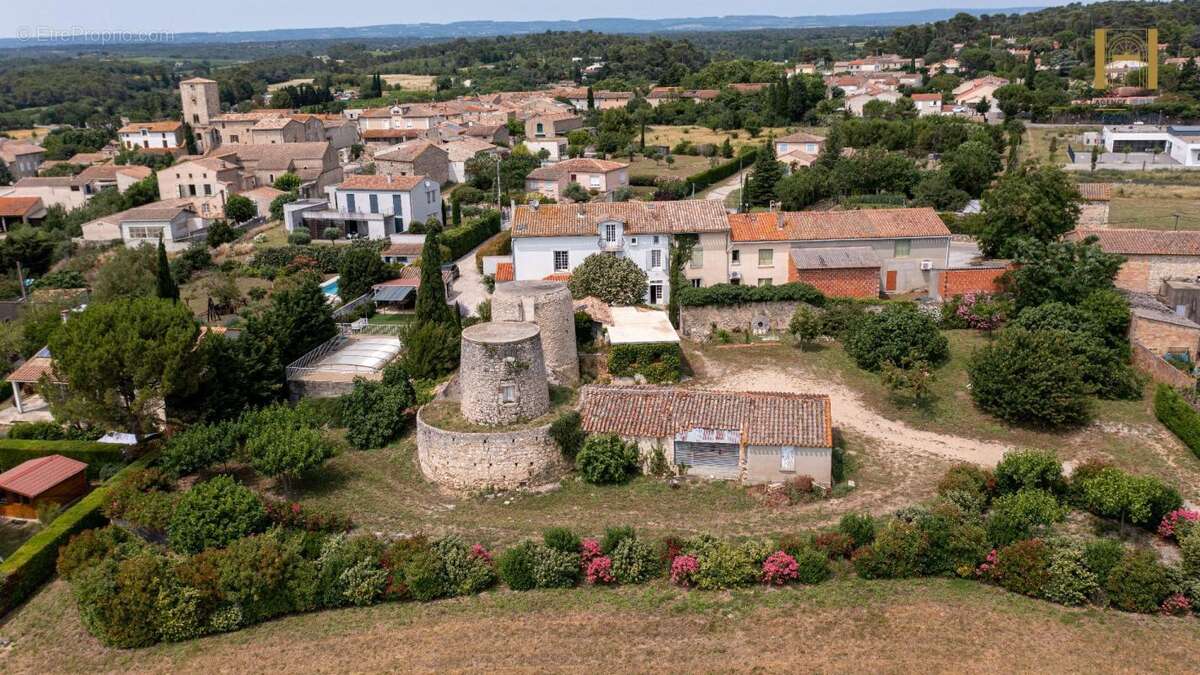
[{"x": 466, "y": 29}]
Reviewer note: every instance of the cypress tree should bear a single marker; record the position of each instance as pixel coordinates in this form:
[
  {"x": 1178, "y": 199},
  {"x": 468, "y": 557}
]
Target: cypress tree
[
  {"x": 591, "y": 98},
  {"x": 767, "y": 171},
  {"x": 431, "y": 304},
  {"x": 167, "y": 288},
  {"x": 1030, "y": 71}
]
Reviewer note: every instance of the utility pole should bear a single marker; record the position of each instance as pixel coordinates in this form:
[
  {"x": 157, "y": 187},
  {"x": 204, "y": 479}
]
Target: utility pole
[
  {"x": 24, "y": 297},
  {"x": 498, "y": 160},
  {"x": 1176, "y": 224}
]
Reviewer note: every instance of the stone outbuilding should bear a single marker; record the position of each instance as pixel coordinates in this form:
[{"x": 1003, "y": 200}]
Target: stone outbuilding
[
  {"x": 503, "y": 373},
  {"x": 1150, "y": 255},
  {"x": 549, "y": 305}
]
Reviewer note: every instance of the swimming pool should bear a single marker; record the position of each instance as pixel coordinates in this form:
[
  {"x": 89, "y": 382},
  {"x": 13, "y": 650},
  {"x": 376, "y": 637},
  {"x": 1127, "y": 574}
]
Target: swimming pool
[{"x": 330, "y": 287}]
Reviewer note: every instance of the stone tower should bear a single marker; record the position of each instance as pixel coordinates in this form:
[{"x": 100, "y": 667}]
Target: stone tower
[
  {"x": 549, "y": 305},
  {"x": 201, "y": 101},
  {"x": 502, "y": 374}
]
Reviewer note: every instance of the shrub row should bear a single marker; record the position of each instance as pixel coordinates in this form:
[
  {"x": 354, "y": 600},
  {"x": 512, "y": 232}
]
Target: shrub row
[
  {"x": 501, "y": 244},
  {"x": 95, "y": 455},
  {"x": 327, "y": 258},
  {"x": 32, "y": 564},
  {"x": 643, "y": 180},
  {"x": 657, "y": 362},
  {"x": 720, "y": 172},
  {"x": 460, "y": 240},
  {"x": 1177, "y": 415},
  {"x": 730, "y": 294}
]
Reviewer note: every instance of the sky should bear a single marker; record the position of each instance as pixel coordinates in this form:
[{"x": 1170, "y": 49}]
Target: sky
[{"x": 25, "y": 17}]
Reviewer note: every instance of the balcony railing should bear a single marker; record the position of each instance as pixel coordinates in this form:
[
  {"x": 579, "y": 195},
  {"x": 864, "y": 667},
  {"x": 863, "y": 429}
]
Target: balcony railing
[{"x": 612, "y": 244}]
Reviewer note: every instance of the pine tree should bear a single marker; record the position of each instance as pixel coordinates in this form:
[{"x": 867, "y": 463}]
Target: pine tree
[
  {"x": 167, "y": 288},
  {"x": 766, "y": 173},
  {"x": 431, "y": 304}
]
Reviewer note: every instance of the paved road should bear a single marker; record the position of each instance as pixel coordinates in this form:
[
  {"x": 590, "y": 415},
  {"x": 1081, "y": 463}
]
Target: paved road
[
  {"x": 468, "y": 288},
  {"x": 722, "y": 189}
]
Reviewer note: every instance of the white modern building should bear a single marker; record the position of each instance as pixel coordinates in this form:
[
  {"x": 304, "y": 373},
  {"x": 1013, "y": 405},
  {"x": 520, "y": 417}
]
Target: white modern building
[
  {"x": 368, "y": 207},
  {"x": 1180, "y": 143},
  {"x": 175, "y": 221}
]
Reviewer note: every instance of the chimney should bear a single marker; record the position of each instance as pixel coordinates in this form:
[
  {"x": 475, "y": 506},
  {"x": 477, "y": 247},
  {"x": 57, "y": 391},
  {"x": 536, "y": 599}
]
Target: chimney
[{"x": 778, "y": 218}]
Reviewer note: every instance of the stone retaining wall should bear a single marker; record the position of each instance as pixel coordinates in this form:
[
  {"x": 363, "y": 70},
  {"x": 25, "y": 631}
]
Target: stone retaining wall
[
  {"x": 697, "y": 323},
  {"x": 488, "y": 461}
]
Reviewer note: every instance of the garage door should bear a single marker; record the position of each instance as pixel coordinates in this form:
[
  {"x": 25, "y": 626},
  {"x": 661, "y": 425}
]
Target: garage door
[{"x": 708, "y": 459}]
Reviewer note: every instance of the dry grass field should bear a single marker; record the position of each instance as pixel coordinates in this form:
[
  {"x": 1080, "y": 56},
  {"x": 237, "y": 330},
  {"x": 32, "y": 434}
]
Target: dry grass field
[
  {"x": 1155, "y": 207},
  {"x": 682, "y": 167},
  {"x": 670, "y": 135},
  {"x": 841, "y": 626},
  {"x": 411, "y": 82},
  {"x": 1036, "y": 144}
]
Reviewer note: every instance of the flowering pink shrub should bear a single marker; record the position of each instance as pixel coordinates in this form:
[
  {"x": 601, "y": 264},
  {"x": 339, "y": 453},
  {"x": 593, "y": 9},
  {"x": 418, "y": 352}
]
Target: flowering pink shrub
[
  {"x": 589, "y": 550},
  {"x": 478, "y": 552},
  {"x": 981, "y": 311},
  {"x": 599, "y": 570},
  {"x": 683, "y": 570},
  {"x": 985, "y": 568},
  {"x": 1176, "y": 605},
  {"x": 1170, "y": 522},
  {"x": 779, "y": 568}
]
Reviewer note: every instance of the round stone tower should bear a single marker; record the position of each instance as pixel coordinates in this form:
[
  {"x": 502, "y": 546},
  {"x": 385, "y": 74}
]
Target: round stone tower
[
  {"x": 502, "y": 374},
  {"x": 549, "y": 305}
]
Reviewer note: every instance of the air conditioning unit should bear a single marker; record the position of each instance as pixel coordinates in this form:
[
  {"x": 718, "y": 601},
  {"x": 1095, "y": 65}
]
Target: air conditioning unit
[
  {"x": 735, "y": 275},
  {"x": 926, "y": 264}
]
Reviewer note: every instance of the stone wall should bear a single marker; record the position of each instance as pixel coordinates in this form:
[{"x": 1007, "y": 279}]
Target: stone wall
[
  {"x": 1162, "y": 337},
  {"x": 1158, "y": 369},
  {"x": 502, "y": 376},
  {"x": 298, "y": 389},
  {"x": 549, "y": 305},
  {"x": 960, "y": 281},
  {"x": 491, "y": 461},
  {"x": 696, "y": 323},
  {"x": 1145, "y": 273}
]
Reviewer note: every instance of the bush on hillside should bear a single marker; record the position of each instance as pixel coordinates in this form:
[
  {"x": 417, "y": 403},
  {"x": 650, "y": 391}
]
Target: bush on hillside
[
  {"x": 213, "y": 514},
  {"x": 897, "y": 333},
  {"x": 1139, "y": 583},
  {"x": 1022, "y": 514},
  {"x": 568, "y": 434},
  {"x": 1023, "y": 567},
  {"x": 1137, "y": 500},
  {"x": 1030, "y": 378},
  {"x": 606, "y": 459},
  {"x": 1029, "y": 470}
]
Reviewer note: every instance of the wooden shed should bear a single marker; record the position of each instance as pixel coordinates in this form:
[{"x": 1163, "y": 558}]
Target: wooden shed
[{"x": 46, "y": 480}]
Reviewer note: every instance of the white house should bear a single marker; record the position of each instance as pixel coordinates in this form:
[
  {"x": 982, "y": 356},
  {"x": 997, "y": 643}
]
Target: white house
[
  {"x": 175, "y": 221},
  {"x": 462, "y": 148},
  {"x": 370, "y": 207},
  {"x": 551, "y": 240},
  {"x": 166, "y": 135},
  {"x": 927, "y": 104}
]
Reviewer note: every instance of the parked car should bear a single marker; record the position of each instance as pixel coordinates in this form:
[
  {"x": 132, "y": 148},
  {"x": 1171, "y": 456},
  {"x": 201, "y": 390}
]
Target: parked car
[{"x": 452, "y": 269}]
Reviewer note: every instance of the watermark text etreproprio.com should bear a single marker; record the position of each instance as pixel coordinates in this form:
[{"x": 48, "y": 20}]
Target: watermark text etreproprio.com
[{"x": 81, "y": 34}]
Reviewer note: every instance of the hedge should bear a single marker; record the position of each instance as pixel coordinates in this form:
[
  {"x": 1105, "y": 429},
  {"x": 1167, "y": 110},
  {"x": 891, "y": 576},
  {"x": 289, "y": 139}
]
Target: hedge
[
  {"x": 722, "y": 171},
  {"x": 643, "y": 180},
  {"x": 95, "y": 455},
  {"x": 731, "y": 294},
  {"x": 501, "y": 244},
  {"x": 1177, "y": 415},
  {"x": 656, "y": 361},
  {"x": 33, "y": 564},
  {"x": 460, "y": 240}
]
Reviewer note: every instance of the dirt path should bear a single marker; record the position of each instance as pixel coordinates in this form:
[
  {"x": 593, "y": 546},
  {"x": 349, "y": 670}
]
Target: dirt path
[
  {"x": 721, "y": 190},
  {"x": 849, "y": 412}
]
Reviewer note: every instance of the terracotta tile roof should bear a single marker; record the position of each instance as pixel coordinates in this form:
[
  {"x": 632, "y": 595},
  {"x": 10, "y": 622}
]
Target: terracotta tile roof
[
  {"x": 377, "y": 182},
  {"x": 16, "y": 207},
  {"x": 762, "y": 418},
  {"x": 504, "y": 272},
  {"x": 800, "y": 137},
  {"x": 1143, "y": 242},
  {"x": 375, "y": 134},
  {"x": 577, "y": 165},
  {"x": 846, "y": 257},
  {"x": 36, "y": 476},
  {"x": 1096, "y": 192},
  {"x": 32, "y": 370},
  {"x": 747, "y": 87},
  {"x": 270, "y": 123},
  {"x": 407, "y": 152},
  {"x": 557, "y": 276},
  {"x": 198, "y": 80},
  {"x": 564, "y": 220},
  {"x": 45, "y": 181},
  {"x": 461, "y": 149},
  {"x": 837, "y": 225},
  {"x": 163, "y": 126},
  {"x": 926, "y": 97}
]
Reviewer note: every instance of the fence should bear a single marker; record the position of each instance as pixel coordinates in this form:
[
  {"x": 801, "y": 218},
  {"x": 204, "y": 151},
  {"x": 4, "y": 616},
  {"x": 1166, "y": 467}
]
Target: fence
[
  {"x": 350, "y": 307},
  {"x": 303, "y": 365}
]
